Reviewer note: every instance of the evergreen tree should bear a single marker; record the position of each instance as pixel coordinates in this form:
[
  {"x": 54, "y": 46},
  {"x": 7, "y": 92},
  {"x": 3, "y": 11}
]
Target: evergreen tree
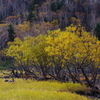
[
  {"x": 97, "y": 31},
  {"x": 45, "y": 19},
  {"x": 53, "y": 6},
  {"x": 31, "y": 9},
  {"x": 30, "y": 16},
  {"x": 11, "y": 33},
  {"x": 57, "y": 5},
  {"x": 32, "y": 6}
]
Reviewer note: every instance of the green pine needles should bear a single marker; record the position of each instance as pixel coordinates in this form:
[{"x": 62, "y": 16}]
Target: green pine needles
[{"x": 11, "y": 33}]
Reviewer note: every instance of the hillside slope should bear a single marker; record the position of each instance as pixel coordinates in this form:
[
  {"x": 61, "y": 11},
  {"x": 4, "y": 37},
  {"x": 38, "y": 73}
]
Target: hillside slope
[{"x": 16, "y": 11}]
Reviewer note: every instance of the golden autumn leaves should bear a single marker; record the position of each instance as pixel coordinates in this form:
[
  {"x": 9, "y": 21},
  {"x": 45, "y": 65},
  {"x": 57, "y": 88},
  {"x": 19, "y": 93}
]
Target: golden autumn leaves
[
  {"x": 63, "y": 46},
  {"x": 72, "y": 52}
]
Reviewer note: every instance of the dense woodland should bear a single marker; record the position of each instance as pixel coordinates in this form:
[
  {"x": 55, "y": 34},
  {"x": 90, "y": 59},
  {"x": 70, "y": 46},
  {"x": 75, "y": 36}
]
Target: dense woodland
[
  {"x": 51, "y": 39},
  {"x": 15, "y": 11}
]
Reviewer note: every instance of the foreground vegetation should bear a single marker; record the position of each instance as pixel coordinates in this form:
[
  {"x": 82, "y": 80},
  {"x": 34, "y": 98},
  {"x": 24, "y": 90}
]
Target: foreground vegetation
[{"x": 33, "y": 90}]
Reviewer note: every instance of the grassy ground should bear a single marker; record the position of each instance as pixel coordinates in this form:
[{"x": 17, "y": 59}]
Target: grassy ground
[{"x": 33, "y": 90}]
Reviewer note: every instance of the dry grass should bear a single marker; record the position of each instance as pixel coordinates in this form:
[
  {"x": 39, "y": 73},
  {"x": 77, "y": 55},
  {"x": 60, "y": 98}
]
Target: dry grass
[{"x": 33, "y": 90}]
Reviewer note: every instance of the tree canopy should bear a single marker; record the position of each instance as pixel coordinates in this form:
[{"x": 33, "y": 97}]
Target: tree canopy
[{"x": 58, "y": 53}]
